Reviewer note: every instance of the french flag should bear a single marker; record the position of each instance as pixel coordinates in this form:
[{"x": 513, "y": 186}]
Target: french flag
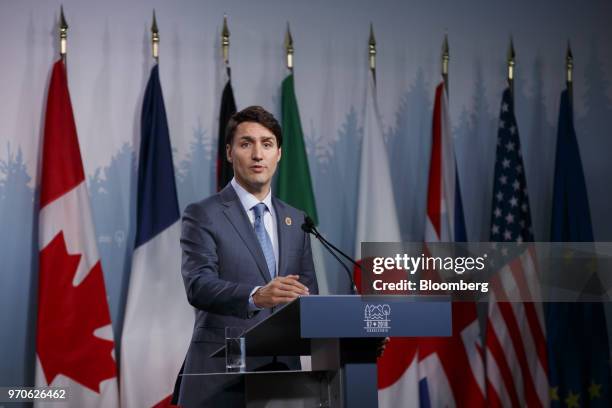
[{"x": 158, "y": 319}]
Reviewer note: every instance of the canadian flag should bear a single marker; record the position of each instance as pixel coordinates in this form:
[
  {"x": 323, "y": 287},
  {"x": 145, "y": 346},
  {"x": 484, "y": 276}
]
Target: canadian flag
[{"x": 74, "y": 339}]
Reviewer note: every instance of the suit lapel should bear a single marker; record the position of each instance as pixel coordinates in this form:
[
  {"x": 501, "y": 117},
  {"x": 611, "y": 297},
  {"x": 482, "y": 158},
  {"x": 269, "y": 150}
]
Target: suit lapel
[
  {"x": 239, "y": 219},
  {"x": 282, "y": 233}
]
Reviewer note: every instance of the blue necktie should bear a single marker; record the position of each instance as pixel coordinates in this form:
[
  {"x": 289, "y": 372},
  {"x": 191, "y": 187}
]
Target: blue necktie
[{"x": 264, "y": 238}]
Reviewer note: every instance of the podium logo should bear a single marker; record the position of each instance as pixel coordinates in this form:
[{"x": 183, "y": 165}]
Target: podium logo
[{"x": 376, "y": 318}]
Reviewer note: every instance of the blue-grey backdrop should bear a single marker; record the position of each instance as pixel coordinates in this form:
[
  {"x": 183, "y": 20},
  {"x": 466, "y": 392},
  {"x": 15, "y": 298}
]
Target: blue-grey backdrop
[{"x": 108, "y": 64}]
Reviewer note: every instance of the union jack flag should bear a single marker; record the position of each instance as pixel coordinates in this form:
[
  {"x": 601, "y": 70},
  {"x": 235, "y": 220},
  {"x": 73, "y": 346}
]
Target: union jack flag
[
  {"x": 438, "y": 372},
  {"x": 451, "y": 370}
]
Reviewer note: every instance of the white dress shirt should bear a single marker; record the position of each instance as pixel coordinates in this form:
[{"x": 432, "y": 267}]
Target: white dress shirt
[{"x": 248, "y": 201}]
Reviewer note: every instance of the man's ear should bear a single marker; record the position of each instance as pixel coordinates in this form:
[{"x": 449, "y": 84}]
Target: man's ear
[
  {"x": 280, "y": 153},
  {"x": 228, "y": 152}
]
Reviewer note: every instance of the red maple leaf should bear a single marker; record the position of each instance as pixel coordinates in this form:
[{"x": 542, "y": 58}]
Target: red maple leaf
[{"x": 67, "y": 318}]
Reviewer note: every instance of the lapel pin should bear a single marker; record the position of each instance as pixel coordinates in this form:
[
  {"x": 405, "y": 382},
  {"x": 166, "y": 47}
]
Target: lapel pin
[{"x": 288, "y": 221}]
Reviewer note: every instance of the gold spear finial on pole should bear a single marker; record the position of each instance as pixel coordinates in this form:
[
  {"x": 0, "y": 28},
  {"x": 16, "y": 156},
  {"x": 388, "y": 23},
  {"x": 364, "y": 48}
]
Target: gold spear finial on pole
[
  {"x": 372, "y": 50},
  {"x": 63, "y": 33},
  {"x": 289, "y": 48},
  {"x": 511, "y": 63},
  {"x": 445, "y": 61},
  {"x": 569, "y": 67},
  {"x": 155, "y": 38},
  {"x": 225, "y": 40}
]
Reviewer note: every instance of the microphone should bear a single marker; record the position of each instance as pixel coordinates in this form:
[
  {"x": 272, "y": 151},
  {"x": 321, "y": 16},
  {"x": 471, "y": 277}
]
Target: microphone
[{"x": 309, "y": 227}]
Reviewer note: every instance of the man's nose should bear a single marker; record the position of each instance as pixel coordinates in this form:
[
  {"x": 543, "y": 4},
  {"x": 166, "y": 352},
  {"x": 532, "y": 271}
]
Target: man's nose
[{"x": 257, "y": 151}]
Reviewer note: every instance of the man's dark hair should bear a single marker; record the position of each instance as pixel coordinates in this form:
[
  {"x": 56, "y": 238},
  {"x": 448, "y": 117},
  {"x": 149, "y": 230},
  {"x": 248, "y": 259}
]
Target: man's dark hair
[{"x": 255, "y": 114}]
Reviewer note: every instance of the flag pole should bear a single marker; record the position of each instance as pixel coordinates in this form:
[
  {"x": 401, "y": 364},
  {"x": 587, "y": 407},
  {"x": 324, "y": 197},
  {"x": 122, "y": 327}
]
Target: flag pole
[
  {"x": 63, "y": 35},
  {"x": 289, "y": 50},
  {"x": 511, "y": 63},
  {"x": 155, "y": 38},
  {"x": 445, "y": 61},
  {"x": 569, "y": 71},
  {"x": 372, "y": 52},
  {"x": 225, "y": 43}
]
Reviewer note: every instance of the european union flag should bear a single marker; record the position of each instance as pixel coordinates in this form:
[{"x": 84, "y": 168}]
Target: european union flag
[{"x": 578, "y": 353}]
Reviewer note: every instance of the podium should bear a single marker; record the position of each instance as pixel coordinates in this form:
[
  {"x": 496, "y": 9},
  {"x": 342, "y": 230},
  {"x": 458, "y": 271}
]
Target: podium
[{"x": 341, "y": 333}]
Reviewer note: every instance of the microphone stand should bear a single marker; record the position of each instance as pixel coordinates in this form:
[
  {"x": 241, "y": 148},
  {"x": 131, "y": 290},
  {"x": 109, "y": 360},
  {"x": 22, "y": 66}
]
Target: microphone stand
[{"x": 310, "y": 228}]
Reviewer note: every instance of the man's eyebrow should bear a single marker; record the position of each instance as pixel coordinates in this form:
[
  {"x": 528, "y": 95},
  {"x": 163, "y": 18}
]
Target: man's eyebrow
[{"x": 250, "y": 138}]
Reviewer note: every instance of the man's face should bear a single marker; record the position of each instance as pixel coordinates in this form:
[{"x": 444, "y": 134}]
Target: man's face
[{"x": 254, "y": 155}]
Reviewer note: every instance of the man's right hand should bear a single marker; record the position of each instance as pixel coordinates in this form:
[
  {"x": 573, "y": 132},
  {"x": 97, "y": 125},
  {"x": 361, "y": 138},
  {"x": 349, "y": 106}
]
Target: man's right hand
[{"x": 280, "y": 290}]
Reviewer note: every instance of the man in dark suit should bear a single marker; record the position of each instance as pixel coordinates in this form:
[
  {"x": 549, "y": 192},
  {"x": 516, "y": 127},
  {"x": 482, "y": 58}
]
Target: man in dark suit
[{"x": 244, "y": 253}]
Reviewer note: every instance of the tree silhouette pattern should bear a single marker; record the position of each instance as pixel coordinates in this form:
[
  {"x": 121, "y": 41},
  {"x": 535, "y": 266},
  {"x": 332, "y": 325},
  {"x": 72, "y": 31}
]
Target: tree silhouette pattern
[
  {"x": 18, "y": 257},
  {"x": 334, "y": 162},
  {"x": 593, "y": 132},
  {"x": 409, "y": 144}
]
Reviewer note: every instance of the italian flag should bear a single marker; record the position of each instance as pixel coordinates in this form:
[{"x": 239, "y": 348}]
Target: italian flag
[{"x": 294, "y": 184}]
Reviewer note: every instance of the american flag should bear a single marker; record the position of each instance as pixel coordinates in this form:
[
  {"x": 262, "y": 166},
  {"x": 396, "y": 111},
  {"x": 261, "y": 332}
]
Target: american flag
[{"x": 515, "y": 340}]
